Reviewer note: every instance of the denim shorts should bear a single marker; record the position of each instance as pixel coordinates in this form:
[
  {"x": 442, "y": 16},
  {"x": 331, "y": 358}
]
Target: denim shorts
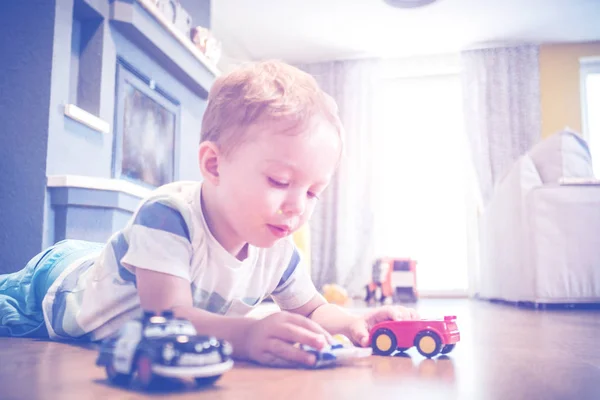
[{"x": 22, "y": 292}]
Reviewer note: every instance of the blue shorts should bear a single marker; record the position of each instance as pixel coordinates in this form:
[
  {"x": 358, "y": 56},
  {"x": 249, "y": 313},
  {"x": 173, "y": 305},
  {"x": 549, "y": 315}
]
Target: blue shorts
[{"x": 22, "y": 292}]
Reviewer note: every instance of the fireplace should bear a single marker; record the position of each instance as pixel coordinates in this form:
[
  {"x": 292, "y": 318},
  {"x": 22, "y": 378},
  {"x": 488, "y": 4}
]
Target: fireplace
[{"x": 146, "y": 129}]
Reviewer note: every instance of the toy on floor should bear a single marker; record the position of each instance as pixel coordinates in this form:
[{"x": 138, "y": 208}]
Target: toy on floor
[
  {"x": 342, "y": 351},
  {"x": 393, "y": 280},
  {"x": 162, "y": 345},
  {"x": 430, "y": 336},
  {"x": 381, "y": 279},
  {"x": 335, "y": 294}
]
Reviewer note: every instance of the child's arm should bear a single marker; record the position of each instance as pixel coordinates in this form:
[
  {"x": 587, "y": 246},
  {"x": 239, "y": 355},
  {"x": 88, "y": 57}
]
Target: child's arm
[
  {"x": 335, "y": 319},
  {"x": 330, "y": 316},
  {"x": 267, "y": 341}
]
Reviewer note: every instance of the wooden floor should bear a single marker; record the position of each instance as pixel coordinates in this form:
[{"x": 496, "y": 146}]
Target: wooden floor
[{"x": 505, "y": 353}]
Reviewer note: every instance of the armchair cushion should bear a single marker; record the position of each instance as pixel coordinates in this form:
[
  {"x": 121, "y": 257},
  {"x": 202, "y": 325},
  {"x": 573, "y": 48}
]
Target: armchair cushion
[{"x": 562, "y": 155}]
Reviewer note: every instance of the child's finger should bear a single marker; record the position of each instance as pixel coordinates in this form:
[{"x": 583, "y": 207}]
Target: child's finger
[
  {"x": 297, "y": 334},
  {"x": 311, "y": 325},
  {"x": 360, "y": 336},
  {"x": 362, "y": 339},
  {"x": 413, "y": 314},
  {"x": 288, "y": 353},
  {"x": 384, "y": 314}
]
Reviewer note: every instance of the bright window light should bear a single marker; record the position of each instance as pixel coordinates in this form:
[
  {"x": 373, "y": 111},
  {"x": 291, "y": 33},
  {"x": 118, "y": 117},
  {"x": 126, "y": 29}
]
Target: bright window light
[
  {"x": 592, "y": 113},
  {"x": 420, "y": 179}
]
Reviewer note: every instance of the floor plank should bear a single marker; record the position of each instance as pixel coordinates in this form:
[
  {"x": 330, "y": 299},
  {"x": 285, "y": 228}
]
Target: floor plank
[{"x": 505, "y": 353}]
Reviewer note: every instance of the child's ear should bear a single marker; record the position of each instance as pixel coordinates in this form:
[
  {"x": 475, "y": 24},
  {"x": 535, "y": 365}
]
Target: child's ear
[{"x": 208, "y": 157}]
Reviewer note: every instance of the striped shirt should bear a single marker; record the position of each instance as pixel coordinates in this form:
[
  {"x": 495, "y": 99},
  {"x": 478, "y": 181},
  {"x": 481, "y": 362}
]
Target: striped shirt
[{"x": 168, "y": 233}]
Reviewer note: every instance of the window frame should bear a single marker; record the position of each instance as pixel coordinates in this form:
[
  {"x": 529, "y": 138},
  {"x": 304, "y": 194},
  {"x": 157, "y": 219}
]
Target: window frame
[{"x": 587, "y": 66}]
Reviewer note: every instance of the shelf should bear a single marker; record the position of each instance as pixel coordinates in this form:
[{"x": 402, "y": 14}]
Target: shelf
[
  {"x": 99, "y": 184},
  {"x": 87, "y": 119},
  {"x": 141, "y": 22}
]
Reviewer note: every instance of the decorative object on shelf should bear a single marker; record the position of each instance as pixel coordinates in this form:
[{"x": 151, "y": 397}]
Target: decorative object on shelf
[
  {"x": 149, "y": 40},
  {"x": 176, "y": 14},
  {"x": 206, "y": 43}
]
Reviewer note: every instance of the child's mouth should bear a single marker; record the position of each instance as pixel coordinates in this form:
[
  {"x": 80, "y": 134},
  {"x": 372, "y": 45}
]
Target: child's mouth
[{"x": 279, "y": 230}]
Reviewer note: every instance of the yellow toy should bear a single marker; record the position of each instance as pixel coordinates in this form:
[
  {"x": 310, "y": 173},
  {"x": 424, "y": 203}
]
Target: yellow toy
[
  {"x": 335, "y": 294},
  {"x": 302, "y": 241}
]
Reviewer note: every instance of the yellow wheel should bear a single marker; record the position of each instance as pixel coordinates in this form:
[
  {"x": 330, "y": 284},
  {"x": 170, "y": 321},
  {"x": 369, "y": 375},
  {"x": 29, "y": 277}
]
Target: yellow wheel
[
  {"x": 428, "y": 343},
  {"x": 384, "y": 342}
]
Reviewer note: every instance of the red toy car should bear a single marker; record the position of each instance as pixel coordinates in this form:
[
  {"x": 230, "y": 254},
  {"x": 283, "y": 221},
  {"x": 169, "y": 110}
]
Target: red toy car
[{"x": 430, "y": 336}]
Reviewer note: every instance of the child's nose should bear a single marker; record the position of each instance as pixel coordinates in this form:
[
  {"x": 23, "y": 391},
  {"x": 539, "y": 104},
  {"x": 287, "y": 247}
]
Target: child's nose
[{"x": 295, "y": 206}]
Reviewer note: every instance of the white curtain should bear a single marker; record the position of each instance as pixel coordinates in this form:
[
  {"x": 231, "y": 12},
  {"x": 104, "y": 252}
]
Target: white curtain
[
  {"x": 342, "y": 224},
  {"x": 501, "y": 90},
  {"x": 421, "y": 172}
]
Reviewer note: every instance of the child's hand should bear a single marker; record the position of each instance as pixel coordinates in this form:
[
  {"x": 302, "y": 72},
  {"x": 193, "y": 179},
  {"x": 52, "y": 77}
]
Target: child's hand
[
  {"x": 271, "y": 341},
  {"x": 359, "y": 329}
]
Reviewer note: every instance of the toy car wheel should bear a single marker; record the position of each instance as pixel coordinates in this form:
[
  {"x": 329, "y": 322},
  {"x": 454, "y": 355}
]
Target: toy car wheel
[
  {"x": 207, "y": 380},
  {"x": 428, "y": 343},
  {"x": 144, "y": 370},
  {"x": 115, "y": 377},
  {"x": 384, "y": 342},
  {"x": 448, "y": 348}
]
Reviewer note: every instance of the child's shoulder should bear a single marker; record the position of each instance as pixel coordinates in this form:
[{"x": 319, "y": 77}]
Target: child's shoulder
[
  {"x": 177, "y": 200},
  {"x": 176, "y": 192},
  {"x": 176, "y": 189}
]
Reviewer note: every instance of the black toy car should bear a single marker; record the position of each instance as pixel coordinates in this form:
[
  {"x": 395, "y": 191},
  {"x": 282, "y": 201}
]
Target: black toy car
[{"x": 166, "y": 346}]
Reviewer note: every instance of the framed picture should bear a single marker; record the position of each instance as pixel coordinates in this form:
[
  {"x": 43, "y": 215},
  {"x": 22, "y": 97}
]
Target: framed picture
[{"x": 146, "y": 129}]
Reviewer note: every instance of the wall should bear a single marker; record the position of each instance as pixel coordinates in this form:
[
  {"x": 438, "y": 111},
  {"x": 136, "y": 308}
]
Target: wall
[
  {"x": 72, "y": 147},
  {"x": 199, "y": 10},
  {"x": 77, "y": 150},
  {"x": 26, "y": 40},
  {"x": 39, "y": 140},
  {"x": 192, "y": 106},
  {"x": 559, "y": 85}
]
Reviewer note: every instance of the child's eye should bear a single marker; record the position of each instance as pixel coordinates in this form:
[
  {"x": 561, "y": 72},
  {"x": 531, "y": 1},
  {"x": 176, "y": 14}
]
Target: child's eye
[{"x": 278, "y": 184}]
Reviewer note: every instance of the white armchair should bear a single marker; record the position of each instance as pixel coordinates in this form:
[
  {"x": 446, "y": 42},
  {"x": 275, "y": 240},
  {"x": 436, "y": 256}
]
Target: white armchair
[{"x": 540, "y": 238}]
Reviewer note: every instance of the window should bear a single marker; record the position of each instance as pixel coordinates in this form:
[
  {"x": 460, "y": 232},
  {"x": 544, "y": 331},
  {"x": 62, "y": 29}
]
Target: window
[
  {"x": 590, "y": 107},
  {"x": 420, "y": 183}
]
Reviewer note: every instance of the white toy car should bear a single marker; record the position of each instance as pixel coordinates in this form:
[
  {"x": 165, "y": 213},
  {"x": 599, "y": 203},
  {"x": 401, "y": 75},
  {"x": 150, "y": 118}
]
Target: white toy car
[
  {"x": 340, "y": 352},
  {"x": 165, "y": 346}
]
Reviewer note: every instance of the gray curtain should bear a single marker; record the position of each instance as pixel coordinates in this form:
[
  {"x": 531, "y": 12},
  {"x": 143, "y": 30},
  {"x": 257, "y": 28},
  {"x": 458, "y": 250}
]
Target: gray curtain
[
  {"x": 342, "y": 224},
  {"x": 501, "y": 91},
  {"x": 501, "y": 88}
]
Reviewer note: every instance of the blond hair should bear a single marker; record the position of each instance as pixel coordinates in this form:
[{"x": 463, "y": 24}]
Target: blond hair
[{"x": 267, "y": 90}]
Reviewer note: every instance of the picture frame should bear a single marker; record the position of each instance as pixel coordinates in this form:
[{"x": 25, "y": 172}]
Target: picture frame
[{"x": 146, "y": 134}]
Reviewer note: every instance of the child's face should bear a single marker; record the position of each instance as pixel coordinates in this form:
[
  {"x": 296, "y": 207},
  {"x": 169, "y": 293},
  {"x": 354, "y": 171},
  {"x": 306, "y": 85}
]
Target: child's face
[{"x": 269, "y": 185}]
